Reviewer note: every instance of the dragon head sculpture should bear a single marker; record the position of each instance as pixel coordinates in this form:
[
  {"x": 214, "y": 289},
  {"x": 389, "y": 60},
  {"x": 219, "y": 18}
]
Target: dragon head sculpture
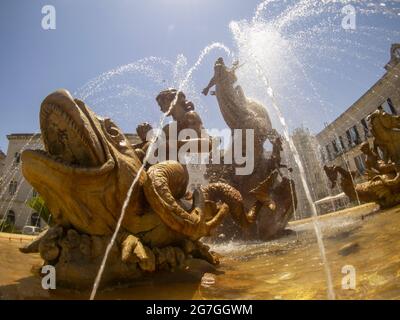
[{"x": 86, "y": 169}]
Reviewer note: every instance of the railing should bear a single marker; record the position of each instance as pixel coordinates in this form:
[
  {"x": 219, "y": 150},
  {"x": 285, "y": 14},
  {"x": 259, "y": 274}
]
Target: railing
[{"x": 16, "y": 237}]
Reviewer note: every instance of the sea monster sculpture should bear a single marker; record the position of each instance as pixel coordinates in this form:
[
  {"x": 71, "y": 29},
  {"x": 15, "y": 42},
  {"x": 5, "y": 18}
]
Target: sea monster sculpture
[
  {"x": 386, "y": 130},
  {"x": 383, "y": 175},
  {"x": 383, "y": 189},
  {"x": 84, "y": 175}
]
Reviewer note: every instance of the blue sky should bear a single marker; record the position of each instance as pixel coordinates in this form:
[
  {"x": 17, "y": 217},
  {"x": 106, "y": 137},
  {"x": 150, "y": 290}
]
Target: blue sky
[{"x": 95, "y": 36}]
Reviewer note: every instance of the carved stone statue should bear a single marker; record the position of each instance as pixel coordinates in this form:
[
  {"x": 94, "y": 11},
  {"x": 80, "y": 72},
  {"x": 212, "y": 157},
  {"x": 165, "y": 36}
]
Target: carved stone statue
[
  {"x": 383, "y": 175},
  {"x": 240, "y": 112},
  {"x": 374, "y": 164},
  {"x": 174, "y": 104},
  {"x": 371, "y": 158},
  {"x": 84, "y": 176},
  {"x": 277, "y": 199},
  {"x": 142, "y": 131},
  {"x": 386, "y": 130},
  {"x": 383, "y": 188}
]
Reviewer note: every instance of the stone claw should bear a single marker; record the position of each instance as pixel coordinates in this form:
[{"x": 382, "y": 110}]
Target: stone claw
[
  {"x": 45, "y": 243},
  {"x": 133, "y": 251}
]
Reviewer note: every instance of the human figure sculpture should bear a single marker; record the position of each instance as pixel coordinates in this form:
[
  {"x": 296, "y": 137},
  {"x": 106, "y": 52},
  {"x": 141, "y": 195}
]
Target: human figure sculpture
[
  {"x": 372, "y": 158},
  {"x": 229, "y": 78},
  {"x": 373, "y": 162},
  {"x": 175, "y": 104},
  {"x": 142, "y": 131}
]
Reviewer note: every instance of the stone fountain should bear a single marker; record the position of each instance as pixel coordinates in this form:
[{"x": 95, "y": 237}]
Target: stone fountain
[{"x": 88, "y": 166}]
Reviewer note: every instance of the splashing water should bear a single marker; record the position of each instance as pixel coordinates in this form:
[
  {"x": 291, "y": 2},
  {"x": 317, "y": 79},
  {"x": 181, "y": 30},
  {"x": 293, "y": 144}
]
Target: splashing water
[
  {"x": 287, "y": 48},
  {"x": 284, "y": 42},
  {"x": 293, "y": 149},
  {"x": 182, "y": 85},
  {"x": 302, "y": 45}
]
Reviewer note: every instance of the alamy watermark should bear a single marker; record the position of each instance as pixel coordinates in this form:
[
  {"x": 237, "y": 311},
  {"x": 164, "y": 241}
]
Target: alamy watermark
[
  {"x": 349, "y": 280},
  {"x": 188, "y": 146},
  {"x": 49, "y": 278},
  {"x": 349, "y": 19},
  {"x": 49, "y": 18}
]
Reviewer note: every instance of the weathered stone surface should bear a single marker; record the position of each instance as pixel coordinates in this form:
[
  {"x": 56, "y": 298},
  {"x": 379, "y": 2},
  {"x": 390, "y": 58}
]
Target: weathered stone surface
[{"x": 383, "y": 175}]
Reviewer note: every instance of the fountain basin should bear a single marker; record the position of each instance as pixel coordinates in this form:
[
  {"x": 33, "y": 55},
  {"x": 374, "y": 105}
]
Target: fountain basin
[{"x": 288, "y": 268}]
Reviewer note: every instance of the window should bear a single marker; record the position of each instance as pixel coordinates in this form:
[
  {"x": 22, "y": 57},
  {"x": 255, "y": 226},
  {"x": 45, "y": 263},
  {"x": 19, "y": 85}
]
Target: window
[
  {"x": 388, "y": 107},
  {"x": 338, "y": 145},
  {"x": 12, "y": 188},
  {"x": 10, "y": 217},
  {"x": 328, "y": 152},
  {"x": 360, "y": 163},
  {"x": 342, "y": 143},
  {"x": 349, "y": 138},
  {"x": 353, "y": 136},
  {"x": 365, "y": 128},
  {"x": 17, "y": 158},
  {"x": 35, "y": 219},
  {"x": 391, "y": 106},
  {"x": 335, "y": 147}
]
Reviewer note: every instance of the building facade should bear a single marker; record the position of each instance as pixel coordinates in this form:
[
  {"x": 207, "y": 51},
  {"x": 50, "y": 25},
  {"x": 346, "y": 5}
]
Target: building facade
[
  {"x": 15, "y": 191},
  {"x": 2, "y": 163},
  {"x": 317, "y": 182},
  {"x": 340, "y": 140},
  {"x": 339, "y": 143}
]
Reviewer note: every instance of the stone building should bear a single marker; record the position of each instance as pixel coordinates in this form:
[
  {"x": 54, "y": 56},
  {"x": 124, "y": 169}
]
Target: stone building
[
  {"x": 15, "y": 191},
  {"x": 2, "y": 162},
  {"x": 340, "y": 140},
  {"x": 317, "y": 182}
]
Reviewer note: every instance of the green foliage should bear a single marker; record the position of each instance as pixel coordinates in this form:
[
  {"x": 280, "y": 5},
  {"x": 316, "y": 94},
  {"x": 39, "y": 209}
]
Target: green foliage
[
  {"x": 38, "y": 204},
  {"x": 6, "y": 226}
]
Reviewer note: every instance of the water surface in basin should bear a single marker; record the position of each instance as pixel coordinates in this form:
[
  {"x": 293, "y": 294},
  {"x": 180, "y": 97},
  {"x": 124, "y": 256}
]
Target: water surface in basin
[{"x": 288, "y": 268}]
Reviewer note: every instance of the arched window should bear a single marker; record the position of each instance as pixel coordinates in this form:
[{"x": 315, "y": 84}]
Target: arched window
[
  {"x": 12, "y": 188},
  {"x": 35, "y": 219},
  {"x": 11, "y": 217}
]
